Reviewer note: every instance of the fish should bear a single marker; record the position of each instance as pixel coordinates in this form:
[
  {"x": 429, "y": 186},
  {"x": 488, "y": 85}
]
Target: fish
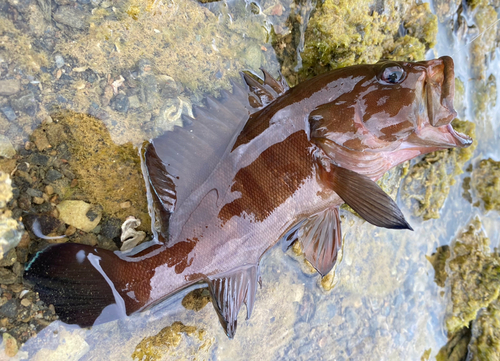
[{"x": 259, "y": 165}]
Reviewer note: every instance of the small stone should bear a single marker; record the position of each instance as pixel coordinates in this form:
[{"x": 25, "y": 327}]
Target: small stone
[
  {"x": 6, "y": 148},
  {"x": 111, "y": 228},
  {"x": 126, "y": 204},
  {"x": 25, "y": 302},
  {"x": 25, "y": 241},
  {"x": 70, "y": 231},
  {"x": 89, "y": 239},
  {"x": 9, "y": 87},
  {"x": 34, "y": 192},
  {"x": 53, "y": 175},
  {"x": 38, "y": 159},
  {"x": 7, "y": 277},
  {"x": 59, "y": 60},
  {"x": 49, "y": 190},
  {"x": 79, "y": 214},
  {"x": 9, "y": 309},
  {"x": 38, "y": 200},
  {"x": 40, "y": 139},
  {"x": 10, "y": 343},
  {"x": 121, "y": 103},
  {"x": 9, "y": 113},
  {"x": 18, "y": 269},
  {"x": 9, "y": 258},
  {"x": 134, "y": 101},
  {"x": 16, "y": 288}
]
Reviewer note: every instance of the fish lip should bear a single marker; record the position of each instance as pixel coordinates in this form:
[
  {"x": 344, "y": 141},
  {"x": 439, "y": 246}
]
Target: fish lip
[{"x": 461, "y": 140}]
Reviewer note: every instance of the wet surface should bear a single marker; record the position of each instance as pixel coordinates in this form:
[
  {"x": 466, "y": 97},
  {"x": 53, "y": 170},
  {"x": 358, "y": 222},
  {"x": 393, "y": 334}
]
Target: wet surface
[{"x": 134, "y": 68}]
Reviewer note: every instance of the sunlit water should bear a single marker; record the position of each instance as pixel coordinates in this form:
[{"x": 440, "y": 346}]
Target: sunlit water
[{"x": 385, "y": 304}]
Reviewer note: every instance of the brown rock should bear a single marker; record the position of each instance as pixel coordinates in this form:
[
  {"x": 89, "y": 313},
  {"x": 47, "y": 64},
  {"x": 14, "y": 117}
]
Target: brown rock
[
  {"x": 40, "y": 139},
  {"x": 9, "y": 86},
  {"x": 7, "y": 277}
]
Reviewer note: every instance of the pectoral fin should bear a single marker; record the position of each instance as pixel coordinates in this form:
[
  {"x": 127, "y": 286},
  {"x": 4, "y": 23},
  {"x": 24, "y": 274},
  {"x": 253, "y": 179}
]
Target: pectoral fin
[
  {"x": 365, "y": 197},
  {"x": 229, "y": 291}
]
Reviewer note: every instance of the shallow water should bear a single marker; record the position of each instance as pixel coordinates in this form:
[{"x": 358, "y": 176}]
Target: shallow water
[{"x": 385, "y": 304}]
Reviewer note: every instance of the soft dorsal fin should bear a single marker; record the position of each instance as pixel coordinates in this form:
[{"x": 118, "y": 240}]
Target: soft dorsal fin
[
  {"x": 179, "y": 161},
  {"x": 229, "y": 292},
  {"x": 365, "y": 197},
  {"x": 263, "y": 91}
]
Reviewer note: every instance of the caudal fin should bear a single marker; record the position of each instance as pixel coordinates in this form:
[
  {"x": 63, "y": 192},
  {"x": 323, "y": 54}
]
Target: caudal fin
[{"x": 71, "y": 277}]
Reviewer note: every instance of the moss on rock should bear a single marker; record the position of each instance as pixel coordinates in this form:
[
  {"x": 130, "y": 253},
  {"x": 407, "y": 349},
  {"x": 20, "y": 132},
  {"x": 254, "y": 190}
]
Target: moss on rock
[{"x": 486, "y": 182}]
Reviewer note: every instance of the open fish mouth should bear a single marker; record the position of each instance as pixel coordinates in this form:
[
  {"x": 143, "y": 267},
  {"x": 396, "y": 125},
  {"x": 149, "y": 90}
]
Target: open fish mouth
[{"x": 440, "y": 92}]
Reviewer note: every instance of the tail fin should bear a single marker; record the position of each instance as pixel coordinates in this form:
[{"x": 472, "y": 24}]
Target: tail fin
[{"x": 70, "y": 277}]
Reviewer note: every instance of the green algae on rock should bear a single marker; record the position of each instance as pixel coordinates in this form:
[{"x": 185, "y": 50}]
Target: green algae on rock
[
  {"x": 196, "y": 299},
  {"x": 343, "y": 33},
  {"x": 486, "y": 182},
  {"x": 438, "y": 260},
  {"x": 428, "y": 182},
  {"x": 157, "y": 347},
  {"x": 485, "y": 341},
  {"x": 474, "y": 277}
]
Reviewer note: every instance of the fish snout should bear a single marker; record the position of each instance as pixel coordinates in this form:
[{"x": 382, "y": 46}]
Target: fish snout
[{"x": 440, "y": 89}]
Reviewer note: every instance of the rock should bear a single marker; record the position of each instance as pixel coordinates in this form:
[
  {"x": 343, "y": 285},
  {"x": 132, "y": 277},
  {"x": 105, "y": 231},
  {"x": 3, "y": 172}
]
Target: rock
[
  {"x": 6, "y": 148},
  {"x": 7, "y": 277},
  {"x": 111, "y": 228},
  {"x": 71, "y": 16},
  {"x": 10, "y": 343},
  {"x": 9, "y": 87},
  {"x": 10, "y": 231},
  {"x": 40, "y": 139},
  {"x": 59, "y": 61},
  {"x": 9, "y": 258},
  {"x": 89, "y": 239},
  {"x": 121, "y": 103},
  {"x": 34, "y": 192},
  {"x": 38, "y": 159},
  {"x": 25, "y": 102},
  {"x": 9, "y": 113},
  {"x": 53, "y": 175},
  {"x": 79, "y": 214}
]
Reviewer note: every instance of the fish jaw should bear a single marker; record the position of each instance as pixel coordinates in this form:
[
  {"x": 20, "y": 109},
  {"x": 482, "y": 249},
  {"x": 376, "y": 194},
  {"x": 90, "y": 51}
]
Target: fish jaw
[{"x": 434, "y": 130}]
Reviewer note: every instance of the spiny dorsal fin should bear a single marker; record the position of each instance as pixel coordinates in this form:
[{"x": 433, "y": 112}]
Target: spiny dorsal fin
[
  {"x": 263, "y": 91},
  {"x": 321, "y": 239},
  {"x": 229, "y": 292},
  {"x": 179, "y": 161},
  {"x": 365, "y": 197}
]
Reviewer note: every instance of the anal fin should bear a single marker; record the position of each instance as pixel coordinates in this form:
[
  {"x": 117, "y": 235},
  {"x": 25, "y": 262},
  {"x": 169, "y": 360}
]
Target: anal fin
[
  {"x": 321, "y": 238},
  {"x": 229, "y": 291}
]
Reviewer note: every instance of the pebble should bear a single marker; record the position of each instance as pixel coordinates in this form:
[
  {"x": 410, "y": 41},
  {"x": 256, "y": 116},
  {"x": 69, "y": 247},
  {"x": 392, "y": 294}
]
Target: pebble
[
  {"x": 51, "y": 176},
  {"x": 6, "y": 148},
  {"x": 9, "y": 258},
  {"x": 40, "y": 139},
  {"x": 121, "y": 103},
  {"x": 9, "y": 87},
  {"x": 7, "y": 277},
  {"x": 79, "y": 214},
  {"x": 9, "y": 113},
  {"x": 38, "y": 200},
  {"x": 10, "y": 343},
  {"x": 70, "y": 231},
  {"x": 49, "y": 190},
  {"x": 9, "y": 309},
  {"x": 34, "y": 192},
  {"x": 59, "y": 60},
  {"x": 26, "y": 302}
]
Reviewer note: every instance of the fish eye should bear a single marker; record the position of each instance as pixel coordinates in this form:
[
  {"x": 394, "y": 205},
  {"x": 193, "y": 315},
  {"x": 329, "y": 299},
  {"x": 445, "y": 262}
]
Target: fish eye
[{"x": 393, "y": 74}]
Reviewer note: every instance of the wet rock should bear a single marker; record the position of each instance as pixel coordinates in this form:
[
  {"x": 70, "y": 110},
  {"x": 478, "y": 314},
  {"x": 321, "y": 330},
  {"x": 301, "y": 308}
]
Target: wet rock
[
  {"x": 59, "y": 60},
  {"x": 10, "y": 343},
  {"x": 34, "y": 192},
  {"x": 53, "y": 175},
  {"x": 40, "y": 139},
  {"x": 6, "y": 148},
  {"x": 121, "y": 103},
  {"x": 25, "y": 102},
  {"x": 9, "y": 258},
  {"x": 7, "y": 277},
  {"x": 79, "y": 214},
  {"x": 10, "y": 230},
  {"x": 111, "y": 228},
  {"x": 89, "y": 239},
  {"x": 486, "y": 181},
  {"x": 196, "y": 299},
  {"x": 38, "y": 159},
  {"x": 9, "y": 86},
  {"x": 71, "y": 16},
  {"x": 9, "y": 113}
]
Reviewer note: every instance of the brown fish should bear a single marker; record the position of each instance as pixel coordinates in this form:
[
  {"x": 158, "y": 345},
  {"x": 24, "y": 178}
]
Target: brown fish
[{"x": 255, "y": 167}]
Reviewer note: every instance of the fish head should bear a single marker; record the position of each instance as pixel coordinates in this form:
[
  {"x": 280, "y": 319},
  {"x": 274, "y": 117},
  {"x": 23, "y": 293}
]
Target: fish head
[{"x": 405, "y": 108}]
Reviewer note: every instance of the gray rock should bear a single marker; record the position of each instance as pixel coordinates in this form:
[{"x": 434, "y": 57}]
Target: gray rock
[
  {"x": 53, "y": 175},
  {"x": 71, "y": 16},
  {"x": 25, "y": 102},
  {"x": 9, "y": 86},
  {"x": 34, "y": 192},
  {"x": 9, "y": 113},
  {"x": 9, "y": 258},
  {"x": 38, "y": 159},
  {"x": 10, "y": 308},
  {"x": 121, "y": 103}
]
